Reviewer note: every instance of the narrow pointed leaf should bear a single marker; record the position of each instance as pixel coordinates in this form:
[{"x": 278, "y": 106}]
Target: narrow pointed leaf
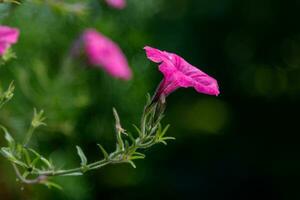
[
  {"x": 168, "y": 138},
  {"x": 74, "y": 174},
  {"x": 8, "y": 137},
  {"x": 82, "y": 156},
  {"x": 52, "y": 185},
  {"x": 27, "y": 157},
  {"x": 165, "y": 130},
  {"x": 164, "y": 142},
  {"x": 34, "y": 152},
  {"x": 139, "y": 154},
  {"x": 137, "y": 129},
  {"x": 137, "y": 157},
  {"x": 35, "y": 160},
  {"x": 103, "y": 151},
  {"x": 131, "y": 138},
  {"x": 47, "y": 162},
  {"x": 131, "y": 163}
]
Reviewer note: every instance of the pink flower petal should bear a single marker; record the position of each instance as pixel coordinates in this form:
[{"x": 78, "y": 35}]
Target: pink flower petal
[
  {"x": 8, "y": 36},
  {"x": 119, "y": 4},
  {"x": 103, "y": 52},
  {"x": 179, "y": 73},
  {"x": 3, "y": 47}
]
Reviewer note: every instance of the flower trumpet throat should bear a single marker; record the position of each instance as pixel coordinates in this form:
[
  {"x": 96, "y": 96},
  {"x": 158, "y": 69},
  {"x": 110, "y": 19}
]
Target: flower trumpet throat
[
  {"x": 8, "y": 36},
  {"x": 179, "y": 73}
]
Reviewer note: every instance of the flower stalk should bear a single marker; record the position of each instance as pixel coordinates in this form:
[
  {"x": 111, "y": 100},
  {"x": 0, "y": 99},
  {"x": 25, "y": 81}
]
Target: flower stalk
[{"x": 39, "y": 169}]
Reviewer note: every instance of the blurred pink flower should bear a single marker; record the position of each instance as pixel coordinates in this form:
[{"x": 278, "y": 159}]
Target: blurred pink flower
[
  {"x": 8, "y": 36},
  {"x": 179, "y": 73},
  {"x": 103, "y": 52},
  {"x": 119, "y": 4}
]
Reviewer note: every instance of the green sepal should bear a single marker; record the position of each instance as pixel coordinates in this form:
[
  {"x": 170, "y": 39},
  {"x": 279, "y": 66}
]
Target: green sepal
[{"x": 82, "y": 156}]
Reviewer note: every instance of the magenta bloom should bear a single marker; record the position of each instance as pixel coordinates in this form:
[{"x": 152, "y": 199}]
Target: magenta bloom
[
  {"x": 119, "y": 4},
  {"x": 179, "y": 73},
  {"x": 8, "y": 36},
  {"x": 103, "y": 52}
]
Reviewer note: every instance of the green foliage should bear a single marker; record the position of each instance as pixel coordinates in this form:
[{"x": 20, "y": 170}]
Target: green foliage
[
  {"x": 7, "y": 95},
  {"x": 7, "y": 56},
  {"x": 82, "y": 156},
  {"x": 127, "y": 149}
]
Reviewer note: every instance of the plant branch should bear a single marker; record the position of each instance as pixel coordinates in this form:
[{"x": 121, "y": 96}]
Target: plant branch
[{"x": 149, "y": 134}]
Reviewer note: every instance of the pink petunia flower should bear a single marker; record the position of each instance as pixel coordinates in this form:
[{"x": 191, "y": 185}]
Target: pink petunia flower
[
  {"x": 8, "y": 36},
  {"x": 119, "y": 4},
  {"x": 179, "y": 73},
  {"x": 103, "y": 52}
]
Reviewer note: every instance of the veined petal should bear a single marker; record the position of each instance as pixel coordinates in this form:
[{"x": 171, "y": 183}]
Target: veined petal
[{"x": 179, "y": 73}]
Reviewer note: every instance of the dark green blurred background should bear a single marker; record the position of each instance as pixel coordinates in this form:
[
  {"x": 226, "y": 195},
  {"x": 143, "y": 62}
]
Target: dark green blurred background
[{"x": 243, "y": 144}]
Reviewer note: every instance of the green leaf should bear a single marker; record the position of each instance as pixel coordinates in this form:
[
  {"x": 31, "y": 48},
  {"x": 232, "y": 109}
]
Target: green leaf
[
  {"x": 52, "y": 185},
  {"x": 19, "y": 150},
  {"x": 19, "y": 163},
  {"x": 131, "y": 163},
  {"x": 6, "y": 153},
  {"x": 82, "y": 156},
  {"x": 164, "y": 142},
  {"x": 35, "y": 160},
  {"x": 25, "y": 174},
  {"x": 131, "y": 138},
  {"x": 139, "y": 154},
  {"x": 148, "y": 99},
  {"x": 165, "y": 130},
  {"x": 126, "y": 144},
  {"x": 8, "y": 137},
  {"x": 7, "y": 95},
  {"x": 8, "y": 54},
  {"x": 168, "y": 138},
  {"x": 47, "y": 162},
  {"x": 106, "y": 156},
  {"x": 73, "y": 174},
  {"x": 34, "y": 152},
  {"x": 27, "y": 157},
  {"x": 137, "y": 129},
  {"x": 40, "y": 157},
  {"x": 137, "y": 157}
]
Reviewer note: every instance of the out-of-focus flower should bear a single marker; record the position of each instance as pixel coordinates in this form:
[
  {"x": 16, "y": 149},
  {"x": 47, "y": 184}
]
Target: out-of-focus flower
[
  {"x": 104, "y": 53},
  {"x": 8, "y": 36},
  {"x": 179, "y": 73},
  {"x": 119, "y": 4}
]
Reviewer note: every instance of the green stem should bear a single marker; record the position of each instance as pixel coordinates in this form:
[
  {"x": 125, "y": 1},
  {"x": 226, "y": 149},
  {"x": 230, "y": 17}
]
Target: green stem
[
  {"x": 122, "y": 154},
  {"x": 28, "y": 136}
]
